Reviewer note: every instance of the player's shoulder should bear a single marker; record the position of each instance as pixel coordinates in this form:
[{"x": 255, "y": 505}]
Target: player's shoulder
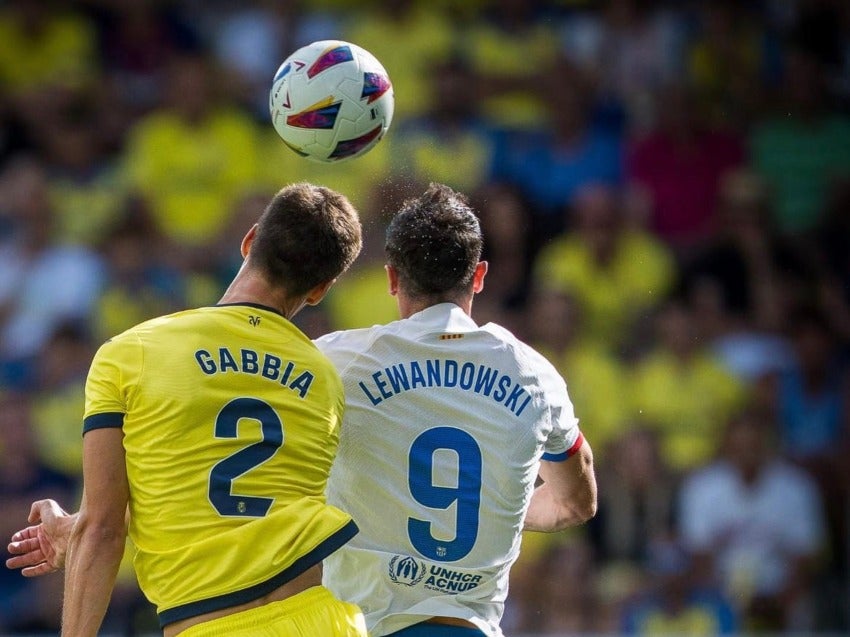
[
  {"x": 346, "y": 339},
  {"x": 140, "y": 332},
  {"x": 528, "y": 359},
  {"x": 345, "y": 347},
  {"x": 173, "y": 321}
]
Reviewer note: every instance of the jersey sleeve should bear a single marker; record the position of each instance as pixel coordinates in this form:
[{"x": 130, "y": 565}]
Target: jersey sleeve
[
  {"x": 565, "y": 438},
  {"x": 111, "y": 380}
]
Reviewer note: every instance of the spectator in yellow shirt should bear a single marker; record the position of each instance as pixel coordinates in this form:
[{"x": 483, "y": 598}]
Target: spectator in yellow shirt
[
  {"x": 449, "y": 143},
  {"x": 86, "y": 188},
  {"x": 41, "y": 47},
  {"x": 616, "y": 272},
  {"x": 682, "y": 391},
  {"x": 192, "y": 159},
  {"x": 511, "y": 48}
]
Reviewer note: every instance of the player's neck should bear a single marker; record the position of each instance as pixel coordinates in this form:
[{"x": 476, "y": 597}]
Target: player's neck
[
  {"x": 408, "y": 306},
  {"x": 249, "y": 287}
]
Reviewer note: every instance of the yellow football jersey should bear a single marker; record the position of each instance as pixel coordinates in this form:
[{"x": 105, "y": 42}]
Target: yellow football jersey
[{"x": 231, "y": 421}]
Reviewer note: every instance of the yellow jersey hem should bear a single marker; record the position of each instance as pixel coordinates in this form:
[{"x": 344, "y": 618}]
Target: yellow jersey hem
[{"x": 192, "y": 609}]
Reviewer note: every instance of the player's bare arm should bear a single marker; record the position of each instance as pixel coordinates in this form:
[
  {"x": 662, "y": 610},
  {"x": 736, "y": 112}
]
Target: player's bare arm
[
  {"x": 40, "y": 549},
  {"x": 98, "y": 536},
  {"x": 567, "y": 496}
]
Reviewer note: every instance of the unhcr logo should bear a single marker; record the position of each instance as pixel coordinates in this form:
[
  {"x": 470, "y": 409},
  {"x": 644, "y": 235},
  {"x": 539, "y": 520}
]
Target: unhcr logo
[
  {"x": 447, "y": 580},
  {"x": 406, "y": 570}
]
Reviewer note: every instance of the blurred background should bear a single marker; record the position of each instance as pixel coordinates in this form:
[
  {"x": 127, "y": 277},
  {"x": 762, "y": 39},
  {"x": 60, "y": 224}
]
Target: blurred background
[{"x": 665, "y": 193}]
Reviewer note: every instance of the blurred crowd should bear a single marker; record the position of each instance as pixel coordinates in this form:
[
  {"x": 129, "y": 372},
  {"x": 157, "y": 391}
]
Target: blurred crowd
[{"x": 664, "y": 188}]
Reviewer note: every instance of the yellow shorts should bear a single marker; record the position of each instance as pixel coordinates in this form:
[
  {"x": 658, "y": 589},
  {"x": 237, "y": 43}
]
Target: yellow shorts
[{"x": 310, "y": 613}]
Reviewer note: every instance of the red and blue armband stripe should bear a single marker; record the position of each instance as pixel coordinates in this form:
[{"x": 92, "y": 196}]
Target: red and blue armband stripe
[{"x": 560, "y": 457}]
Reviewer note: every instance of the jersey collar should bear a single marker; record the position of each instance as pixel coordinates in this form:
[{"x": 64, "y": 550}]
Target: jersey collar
[
  {"x": 444, "y": 316},
  {"x": 257, "y": 306}
]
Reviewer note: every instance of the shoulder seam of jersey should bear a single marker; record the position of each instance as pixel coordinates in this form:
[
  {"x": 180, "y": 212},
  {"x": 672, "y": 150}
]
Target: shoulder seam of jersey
[{"x": 135, "y": 388}]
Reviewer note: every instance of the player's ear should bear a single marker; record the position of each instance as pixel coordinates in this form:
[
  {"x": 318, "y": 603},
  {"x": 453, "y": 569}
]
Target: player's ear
[
  {"x": 392, "y": 279},
  {"x": 315, "y": 295},
  {"x": 478, "y": 277},
  {"x": 248, "y": 239}
]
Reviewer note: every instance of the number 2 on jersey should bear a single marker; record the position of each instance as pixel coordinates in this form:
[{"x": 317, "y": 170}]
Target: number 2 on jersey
[
  {"x": 467, "y": 493},
  {"x": 240, "y": 462}
]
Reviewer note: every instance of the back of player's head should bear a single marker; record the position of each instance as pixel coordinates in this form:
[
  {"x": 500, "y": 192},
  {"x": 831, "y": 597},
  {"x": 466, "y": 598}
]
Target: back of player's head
[
  {"x": 434, "y": 243},
  {"x": 307, "y": 235}
]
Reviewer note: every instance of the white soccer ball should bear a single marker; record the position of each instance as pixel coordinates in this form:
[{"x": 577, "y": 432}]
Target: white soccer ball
[{"x": 331, "y": 100}]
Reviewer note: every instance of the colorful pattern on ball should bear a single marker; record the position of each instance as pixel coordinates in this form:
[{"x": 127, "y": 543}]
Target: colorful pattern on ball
[
  {"x": 322, "y": 115},
  {"x": 331, "y": 101},
  {"x": 349, "y": 147},
  {"x": 330, "y": 58},
  {"x": 374, "y": 85},
  {"x": 282, "y": 72}
]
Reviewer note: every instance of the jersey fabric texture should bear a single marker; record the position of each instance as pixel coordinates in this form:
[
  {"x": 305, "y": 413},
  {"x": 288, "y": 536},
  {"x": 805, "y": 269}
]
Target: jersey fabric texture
[
  {"x": 231, "y": 421},
  {"x": 446, "y": 423},
  {"x": 312, "y": 613}
]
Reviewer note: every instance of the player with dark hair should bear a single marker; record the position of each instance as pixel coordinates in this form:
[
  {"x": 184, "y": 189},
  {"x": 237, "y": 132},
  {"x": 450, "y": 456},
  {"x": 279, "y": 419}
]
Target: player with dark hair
[
  {"x": 434, "y": 244},
  {"x": 448, "y": 427},
  {"x": 216, "y": 427}
]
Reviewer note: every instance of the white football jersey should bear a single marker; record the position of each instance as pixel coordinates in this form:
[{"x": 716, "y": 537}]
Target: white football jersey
[{"x": 445, "y": 425}]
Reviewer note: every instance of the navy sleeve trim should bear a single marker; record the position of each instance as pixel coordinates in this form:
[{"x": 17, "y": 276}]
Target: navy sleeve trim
[
  {"x": 251, "y": 593},
  {"x": 110, "y": 419}
]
